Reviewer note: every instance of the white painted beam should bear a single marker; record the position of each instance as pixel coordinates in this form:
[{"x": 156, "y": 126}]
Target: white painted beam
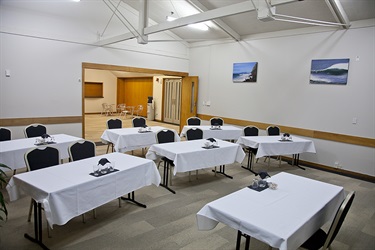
[{"x": 229, "y": 10}]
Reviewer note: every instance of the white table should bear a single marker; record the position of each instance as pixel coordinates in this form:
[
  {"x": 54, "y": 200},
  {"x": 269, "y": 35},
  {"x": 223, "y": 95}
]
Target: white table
[
  {"x": 69, "y": 190},
  {"x": 283, "y": 218},
  {"x": 128, "y": 139},
  {"x": 189, "y": 155},
  {"x": 12, "y": 152},
  {"x": 272, "y": 145},
  {"x": 225, "y": 132}
]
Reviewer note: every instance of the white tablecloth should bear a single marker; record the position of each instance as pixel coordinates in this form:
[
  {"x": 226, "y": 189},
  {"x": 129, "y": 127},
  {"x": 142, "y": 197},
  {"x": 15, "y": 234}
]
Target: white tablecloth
[
  {"x": 127, "y": 139},
  {"x": 270, "y": 145},
  {"x": 69, "y": 190},
  {"x": 282, "y": 218},
  {"x": 225, "y": 133},
  {"x": 189, "y": 155},
  {"x": 12, "y": 152}
]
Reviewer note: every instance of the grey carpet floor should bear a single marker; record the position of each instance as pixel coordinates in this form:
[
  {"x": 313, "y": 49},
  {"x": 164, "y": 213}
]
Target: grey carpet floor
[{"x": 169, "y": 221}]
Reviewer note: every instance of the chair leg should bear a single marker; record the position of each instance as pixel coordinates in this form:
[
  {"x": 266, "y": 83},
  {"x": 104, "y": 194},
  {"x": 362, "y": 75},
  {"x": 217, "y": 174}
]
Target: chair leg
[
  {"x": 83, "y": 218},
  {"x": 119, "y": 202},
  {"x": 108, "y": 147},
  {"x": 189, "y": 176},
  {"x": 196, "y": 174}
]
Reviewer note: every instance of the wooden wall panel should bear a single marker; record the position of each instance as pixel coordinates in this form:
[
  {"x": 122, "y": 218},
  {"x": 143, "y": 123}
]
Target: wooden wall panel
[{"x": 135, "y": 91}]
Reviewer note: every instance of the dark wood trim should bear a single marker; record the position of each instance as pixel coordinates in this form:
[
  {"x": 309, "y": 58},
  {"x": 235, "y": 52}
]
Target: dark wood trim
[
  {"x": 349, "y": 139},
  {"x": 44, "y": 120},
  {"x": 87, "y": 65}
]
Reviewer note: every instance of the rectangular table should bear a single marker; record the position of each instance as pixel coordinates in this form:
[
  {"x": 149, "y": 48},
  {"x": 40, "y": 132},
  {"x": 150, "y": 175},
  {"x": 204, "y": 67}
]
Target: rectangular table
[
  {"x": 283, "y": 218},
  {"x": 225, "y": 132},
  {"x": 128, "y": 139},
  {"x": 12, "y": 152},
  {"x": 271, "y": 145},
  {"x": 68, "y": 190},
  {"x": 189, "y": 155}
]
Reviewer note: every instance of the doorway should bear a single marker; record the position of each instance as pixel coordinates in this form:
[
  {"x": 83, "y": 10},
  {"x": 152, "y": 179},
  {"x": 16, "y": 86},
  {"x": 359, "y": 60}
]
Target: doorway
[{"x": 144, "y": 71}]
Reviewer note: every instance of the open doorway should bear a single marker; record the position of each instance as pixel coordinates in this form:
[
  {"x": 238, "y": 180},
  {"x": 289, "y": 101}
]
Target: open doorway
[{"x": 138, "y": 71}]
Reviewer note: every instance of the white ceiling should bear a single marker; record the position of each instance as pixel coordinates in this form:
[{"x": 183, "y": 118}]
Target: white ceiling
[
  {"x": 97, "y": 16},
  {"x": 103, "y": 22}
]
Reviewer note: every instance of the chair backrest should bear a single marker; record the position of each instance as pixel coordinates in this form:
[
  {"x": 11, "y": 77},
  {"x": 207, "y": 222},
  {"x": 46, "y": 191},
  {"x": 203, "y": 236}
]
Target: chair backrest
[
  {"x": 250, "y": 131},
  {"x": 5, "y": 134},
  {"x": 114, "y": 123},
  {"x": 81, "y": 150},
  {"x": 339, "y": 219},
  {"x": 273, "y": 130},
  {"x": 165, "y": 136},
  {"x": 193, "y": 121},
  {"x": 139, "y": 122},
  {"x": 216, "y": 121},
  {"x": 194, "y": 134},
  {"x": 35, "y": 130},
  {"x": 41, "y": 157}
]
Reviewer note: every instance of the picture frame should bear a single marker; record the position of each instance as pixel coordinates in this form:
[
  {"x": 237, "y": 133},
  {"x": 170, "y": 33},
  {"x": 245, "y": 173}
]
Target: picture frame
[
  {"x": 329, "y": 71},
  {"x": 245, "y": 72}
]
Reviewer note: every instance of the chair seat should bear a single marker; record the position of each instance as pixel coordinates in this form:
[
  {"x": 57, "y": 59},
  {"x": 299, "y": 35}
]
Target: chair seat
[{"x": 316, "y": 241}]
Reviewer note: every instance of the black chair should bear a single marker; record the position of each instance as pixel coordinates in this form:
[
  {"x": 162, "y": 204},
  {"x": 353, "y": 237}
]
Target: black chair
[
  {"x": 5, "y": 134},
  {"x": 216, "y": 121},
  {"x": 139, "y": 122},
  {"x": 35, "y": 130},
  {"x": 273, "y": 131},
  {"x": 193, "y": 121},
  {"x": 320, "y": 238},
  {"x": 113, "y": 124},
  {"x": 39, "y": 158},
  {"x": 194, "y": 134},
  {"x": 250, "y": 131},
  {"x": 166, "y": 136},
  {"x": 81, "y": 150}
]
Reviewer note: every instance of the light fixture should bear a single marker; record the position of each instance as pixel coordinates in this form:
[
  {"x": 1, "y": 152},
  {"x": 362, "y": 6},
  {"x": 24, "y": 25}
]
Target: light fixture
[
  {"x": 76, "y": 1},
  {"x": 171, "y": 17},
  {"x": 199, "y": 26}
]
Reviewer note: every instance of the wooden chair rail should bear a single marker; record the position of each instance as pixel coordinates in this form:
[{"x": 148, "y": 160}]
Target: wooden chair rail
[{"x": 349, "y": 139}]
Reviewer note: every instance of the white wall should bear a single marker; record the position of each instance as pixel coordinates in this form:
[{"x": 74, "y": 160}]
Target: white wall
[
  {"x": 109, "y": 80},
  {"x": 282, "y": 94},
  {"x": 46, "y": 71}
]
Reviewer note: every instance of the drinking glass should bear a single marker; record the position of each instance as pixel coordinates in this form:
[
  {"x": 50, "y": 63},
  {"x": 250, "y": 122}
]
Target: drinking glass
[{"x": 95, "y": 169}]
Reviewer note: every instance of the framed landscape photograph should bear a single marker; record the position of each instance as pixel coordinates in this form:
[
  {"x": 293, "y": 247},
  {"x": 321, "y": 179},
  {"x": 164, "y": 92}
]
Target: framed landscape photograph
[
  {"x": 245, "y": 72},
  {"x": 329, "y": 71}
]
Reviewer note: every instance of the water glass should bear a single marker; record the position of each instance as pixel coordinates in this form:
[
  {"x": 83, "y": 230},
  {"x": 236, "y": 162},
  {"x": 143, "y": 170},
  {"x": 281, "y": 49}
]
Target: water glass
[
  {"x": 95, "y": 169},
  {"x": 255, "y": 184}
]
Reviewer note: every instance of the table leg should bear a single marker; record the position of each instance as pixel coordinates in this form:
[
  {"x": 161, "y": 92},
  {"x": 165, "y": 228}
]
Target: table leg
[
  {"x": 249, "y": 162},
  {"x": 295, "y": 161},
  {"x": 37, "y": 226},
  {"x": 222, "y": 171},
  {"x": 165, "y": 177},
  {"x": 247, "y": 243},
  {"x": 131, "y": 199}
]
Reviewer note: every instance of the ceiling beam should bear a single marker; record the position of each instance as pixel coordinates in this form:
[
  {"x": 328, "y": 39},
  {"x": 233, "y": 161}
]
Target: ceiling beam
[
  {"x": 338, "y": 12},
  {"x": 221, "y": 24},
  {"x": 209, "y": 15}
]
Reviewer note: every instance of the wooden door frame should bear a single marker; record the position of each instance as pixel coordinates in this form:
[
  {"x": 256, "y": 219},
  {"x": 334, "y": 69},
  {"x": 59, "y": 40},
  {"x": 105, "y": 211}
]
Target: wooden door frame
[{"x": 87, "y": 65}]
